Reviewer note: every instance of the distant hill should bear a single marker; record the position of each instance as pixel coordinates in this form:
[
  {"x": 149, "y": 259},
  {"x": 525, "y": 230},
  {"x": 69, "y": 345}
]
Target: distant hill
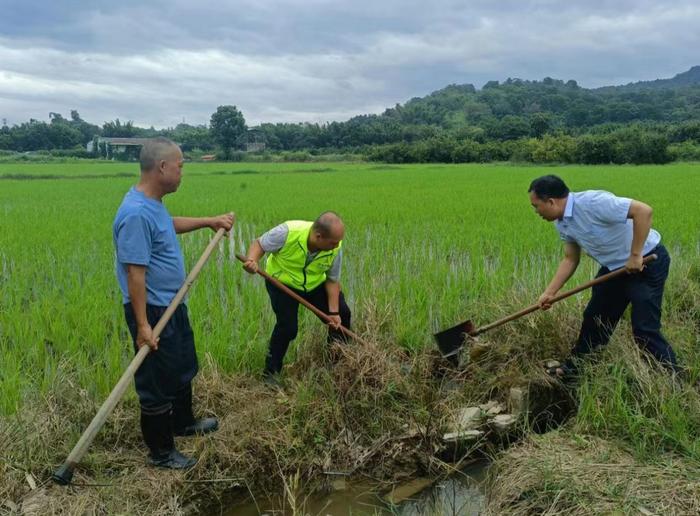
[
  {"x": 509, "y": 111},
  {"x": 688, "y": 78},
  {"x": 563, "y": 104}
]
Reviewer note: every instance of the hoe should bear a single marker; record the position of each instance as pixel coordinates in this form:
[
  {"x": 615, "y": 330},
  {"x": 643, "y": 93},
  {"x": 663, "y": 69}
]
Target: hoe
[{"x": 451, "y": 340}]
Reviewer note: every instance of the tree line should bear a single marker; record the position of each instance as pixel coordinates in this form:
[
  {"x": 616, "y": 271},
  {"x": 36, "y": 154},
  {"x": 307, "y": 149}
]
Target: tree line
[{"x": 538, "y": 121}]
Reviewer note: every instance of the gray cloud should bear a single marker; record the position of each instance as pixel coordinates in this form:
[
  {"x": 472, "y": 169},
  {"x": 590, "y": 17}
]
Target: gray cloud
[{"x": 316, "y": 60}]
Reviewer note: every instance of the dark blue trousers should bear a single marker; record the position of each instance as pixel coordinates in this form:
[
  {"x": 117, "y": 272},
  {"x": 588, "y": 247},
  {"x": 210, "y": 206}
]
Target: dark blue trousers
[
  {"x": 165, "y": 374},
  {"x": 287, "y": 312},
  {"x": 644, "y": 291}
]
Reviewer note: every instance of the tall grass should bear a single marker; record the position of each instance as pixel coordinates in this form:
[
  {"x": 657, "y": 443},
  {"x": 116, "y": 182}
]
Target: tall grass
[{"x": 426, "y": 246}]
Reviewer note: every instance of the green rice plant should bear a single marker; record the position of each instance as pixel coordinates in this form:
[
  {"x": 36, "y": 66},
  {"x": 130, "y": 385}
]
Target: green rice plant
[{"x": 428, "y": 245}]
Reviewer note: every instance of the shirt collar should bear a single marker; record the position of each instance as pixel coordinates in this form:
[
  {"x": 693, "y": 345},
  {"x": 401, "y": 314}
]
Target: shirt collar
[{"x": 569, "y": 209}]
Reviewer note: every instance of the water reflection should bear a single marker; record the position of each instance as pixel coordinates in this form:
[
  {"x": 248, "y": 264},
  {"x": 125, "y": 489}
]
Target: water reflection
[{"x": 461, "y": 494}]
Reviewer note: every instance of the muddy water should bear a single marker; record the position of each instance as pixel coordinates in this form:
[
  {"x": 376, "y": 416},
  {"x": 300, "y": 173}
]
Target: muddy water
[{"x": 460, "y": 494}]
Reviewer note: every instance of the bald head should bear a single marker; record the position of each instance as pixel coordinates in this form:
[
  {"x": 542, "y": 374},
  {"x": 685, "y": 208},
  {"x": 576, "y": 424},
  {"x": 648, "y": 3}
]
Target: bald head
[
  {"x": 329, "y": 224},
  {"x": 327, "y": 231},
  {"x": 156, "y": 150}
]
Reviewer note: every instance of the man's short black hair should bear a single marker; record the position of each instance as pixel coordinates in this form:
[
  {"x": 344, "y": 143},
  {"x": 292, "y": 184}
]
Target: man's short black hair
[{"x": 549, "y": 187}]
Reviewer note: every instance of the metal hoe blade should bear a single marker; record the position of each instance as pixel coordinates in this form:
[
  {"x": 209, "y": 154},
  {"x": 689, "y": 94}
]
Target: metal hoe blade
[{"x": 451, "y": 340}]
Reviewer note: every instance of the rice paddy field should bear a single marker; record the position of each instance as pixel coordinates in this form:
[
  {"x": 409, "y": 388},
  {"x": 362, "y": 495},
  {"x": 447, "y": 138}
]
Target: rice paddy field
[{"x": 425, "y": 247}]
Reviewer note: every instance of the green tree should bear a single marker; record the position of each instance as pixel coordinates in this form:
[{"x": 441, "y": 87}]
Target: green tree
[
  {"x": 510, "y": 127},
  {"x": 191, "y": 137},
  {"x": 63, "y": 136},
  {"x": 87, "y": 130},
  {"x": 540, "y": 124},
  {"x": 227, "y": 127},
  {"x": 118, "y": 130},
  {"x": 5, "y": 138},
  {"x": 685, "y": 131},
  {"x": 553, "y": 149},
  {"x": 594, "y": 150}
]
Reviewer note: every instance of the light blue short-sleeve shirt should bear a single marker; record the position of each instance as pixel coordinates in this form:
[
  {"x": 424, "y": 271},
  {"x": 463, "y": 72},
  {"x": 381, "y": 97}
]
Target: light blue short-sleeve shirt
[
  {"x": 144, "y": 234},
  {"x": 597, "y": 221}
]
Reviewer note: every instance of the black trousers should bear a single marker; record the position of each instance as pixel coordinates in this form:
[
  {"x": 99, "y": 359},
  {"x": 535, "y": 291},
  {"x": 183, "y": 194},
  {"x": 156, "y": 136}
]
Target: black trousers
[
  {"x": 644, "y": 291},
  {"x": 166, "y": 373},
  {"x": 287, "y": 312}
]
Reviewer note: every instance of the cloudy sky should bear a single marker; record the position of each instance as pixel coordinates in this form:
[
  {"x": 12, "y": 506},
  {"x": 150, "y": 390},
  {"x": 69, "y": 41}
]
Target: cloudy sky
[{"x": 158, "y": 62}]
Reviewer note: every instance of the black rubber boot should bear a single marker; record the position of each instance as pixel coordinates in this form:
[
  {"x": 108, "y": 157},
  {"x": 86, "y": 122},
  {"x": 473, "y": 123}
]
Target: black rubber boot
[
  {"x": 158, "y": 433},
  {"x": 273, "y": 380},
  {"x": 184, "y": 423}
]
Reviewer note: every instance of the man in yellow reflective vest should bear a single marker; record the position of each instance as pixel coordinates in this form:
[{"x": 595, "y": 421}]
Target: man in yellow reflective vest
[{"x": 307, "y": 257}]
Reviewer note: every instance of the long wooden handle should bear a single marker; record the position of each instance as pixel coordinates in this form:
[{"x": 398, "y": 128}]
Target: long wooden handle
[
  {"x": 563, "y": 295},
  {"x": 64, "y": 474},
  {"x": 284, "y": 288}
]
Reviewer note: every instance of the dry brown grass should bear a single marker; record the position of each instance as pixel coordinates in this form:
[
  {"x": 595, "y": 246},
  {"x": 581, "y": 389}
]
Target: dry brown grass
[
  {"x": 358, "y": 410},
  {"x": 583, "y": 475}
]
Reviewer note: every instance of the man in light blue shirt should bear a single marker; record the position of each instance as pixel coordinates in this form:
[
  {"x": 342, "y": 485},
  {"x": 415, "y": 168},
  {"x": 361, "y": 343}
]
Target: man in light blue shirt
[
  {"x": 150, "y": 271},
  {"x": 617, "y": 233}
]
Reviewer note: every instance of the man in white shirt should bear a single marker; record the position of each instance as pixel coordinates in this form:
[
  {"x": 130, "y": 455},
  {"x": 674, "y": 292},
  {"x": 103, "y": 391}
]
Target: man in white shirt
[
  {"x": 616, "y": 232},
  {"x": 305, "y": 256}
]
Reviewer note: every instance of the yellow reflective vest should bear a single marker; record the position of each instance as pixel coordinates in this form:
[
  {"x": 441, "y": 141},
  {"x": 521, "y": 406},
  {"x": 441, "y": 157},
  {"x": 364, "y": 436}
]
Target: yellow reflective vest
[{"x": 289, "y": 263}]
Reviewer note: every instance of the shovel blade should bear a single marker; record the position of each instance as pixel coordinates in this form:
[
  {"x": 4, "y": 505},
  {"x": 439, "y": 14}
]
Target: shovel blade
[{"x": 451, "y": 340}]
